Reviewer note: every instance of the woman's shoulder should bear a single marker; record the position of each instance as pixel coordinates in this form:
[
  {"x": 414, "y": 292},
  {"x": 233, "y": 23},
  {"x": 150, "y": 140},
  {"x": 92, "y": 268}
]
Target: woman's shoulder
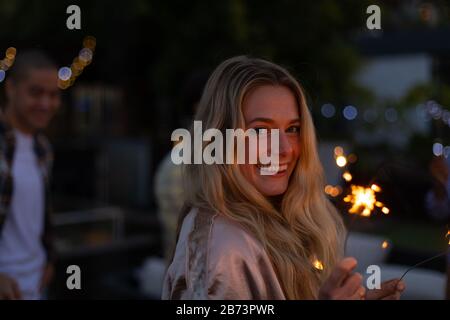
[
  {"x": 217, "y": 258},
  {"x": 220, "y": 233},
  {"x": 228, "y": 236}
]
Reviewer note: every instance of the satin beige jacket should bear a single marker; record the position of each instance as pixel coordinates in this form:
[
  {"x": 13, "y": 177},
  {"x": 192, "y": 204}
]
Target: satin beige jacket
[{"x": 215, "y": 258}]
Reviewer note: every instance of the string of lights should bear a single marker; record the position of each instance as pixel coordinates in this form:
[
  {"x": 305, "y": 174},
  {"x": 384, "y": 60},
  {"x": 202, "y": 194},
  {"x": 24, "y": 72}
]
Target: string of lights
[
  {"x": 7, "y": 62},
  {"x": 68, "y": 75}
]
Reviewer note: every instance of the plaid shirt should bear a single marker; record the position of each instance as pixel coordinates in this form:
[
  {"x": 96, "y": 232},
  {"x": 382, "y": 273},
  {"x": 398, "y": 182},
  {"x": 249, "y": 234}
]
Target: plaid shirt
[{"x": 44, "y": 155}]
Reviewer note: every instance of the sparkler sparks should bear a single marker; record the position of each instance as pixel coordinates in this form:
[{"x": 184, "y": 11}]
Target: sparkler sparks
[{"x": 364, "y": 200}]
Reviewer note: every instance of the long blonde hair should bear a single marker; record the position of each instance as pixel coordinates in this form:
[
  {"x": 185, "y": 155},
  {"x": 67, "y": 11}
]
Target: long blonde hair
[{"x": 306, "y": 225}]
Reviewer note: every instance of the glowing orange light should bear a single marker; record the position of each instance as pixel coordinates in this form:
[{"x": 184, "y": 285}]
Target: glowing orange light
[
  {"x": 385, "y": 244},
  {"x": 8, "y": 61},
  {"x": 347, "y": 176},
  {"x": 338, "y": 151},
  {"x": 63, "y": 84},
  {"x": 3, "y": 65},
  {"x": 335, "y": 191},
  {"x": 318, "y": 264},
  {"x": 89, "y": 42},
  {"x": 11, "y": 53},
  {"x": 341, "y": 161},
  {"x": 375, "y": 188}
]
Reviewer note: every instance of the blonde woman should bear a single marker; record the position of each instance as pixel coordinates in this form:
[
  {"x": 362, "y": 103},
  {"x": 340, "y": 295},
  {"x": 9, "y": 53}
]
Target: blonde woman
[{"x": 245, "y": 235}]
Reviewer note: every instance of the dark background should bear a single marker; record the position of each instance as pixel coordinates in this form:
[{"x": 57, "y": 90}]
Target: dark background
[{"x": 115, "y": 123}]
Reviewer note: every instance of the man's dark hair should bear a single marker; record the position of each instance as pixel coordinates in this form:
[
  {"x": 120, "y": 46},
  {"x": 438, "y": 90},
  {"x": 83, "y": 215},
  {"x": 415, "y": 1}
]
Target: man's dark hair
[{"x": 27, "y": 60}]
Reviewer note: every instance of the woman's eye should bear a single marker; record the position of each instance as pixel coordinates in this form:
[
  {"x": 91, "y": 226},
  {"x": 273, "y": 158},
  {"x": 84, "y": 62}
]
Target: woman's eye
[{"x": 294, "y": 129}]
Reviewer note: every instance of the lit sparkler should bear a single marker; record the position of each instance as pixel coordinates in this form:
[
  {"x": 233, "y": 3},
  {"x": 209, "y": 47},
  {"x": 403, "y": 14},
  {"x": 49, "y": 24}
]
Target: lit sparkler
[{"x": 364, "y": 200}]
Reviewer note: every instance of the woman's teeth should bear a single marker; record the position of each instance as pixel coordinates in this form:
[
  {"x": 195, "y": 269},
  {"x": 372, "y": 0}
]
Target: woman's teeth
[{"x": 272, "y": 169}]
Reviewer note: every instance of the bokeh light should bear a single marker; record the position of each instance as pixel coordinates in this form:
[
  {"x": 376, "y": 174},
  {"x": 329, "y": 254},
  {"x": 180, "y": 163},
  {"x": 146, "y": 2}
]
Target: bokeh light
[
  {"x": 338, "y": 150},
  {"x": 89, "y": 42},
  {"x": 438, "y": 149},
  {"x": 328, "y": 110},
  {"x": 347, "y": 176},
  {"x": 341, "y": 161},
  {"x": 85, "y": 55},
  {"x": 64, "y": 73},
  {"x": 11, "y": 53},
  {"x": 84, "y": 58},
  {"x": 350, "y": 112}
]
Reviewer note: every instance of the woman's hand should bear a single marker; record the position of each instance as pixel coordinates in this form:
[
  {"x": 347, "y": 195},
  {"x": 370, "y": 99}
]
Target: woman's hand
[
  {"x": 9, "y": 289},
  {"x": 343, "y": 284},
  {"x": 390, "y": 290}
]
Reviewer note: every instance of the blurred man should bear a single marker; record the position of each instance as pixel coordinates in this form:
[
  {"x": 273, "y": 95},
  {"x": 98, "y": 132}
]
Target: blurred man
[{"x": 32, "y": 98}]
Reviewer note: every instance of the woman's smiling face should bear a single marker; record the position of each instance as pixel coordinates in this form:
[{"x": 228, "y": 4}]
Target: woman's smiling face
[{"x": 273, "y": 107}]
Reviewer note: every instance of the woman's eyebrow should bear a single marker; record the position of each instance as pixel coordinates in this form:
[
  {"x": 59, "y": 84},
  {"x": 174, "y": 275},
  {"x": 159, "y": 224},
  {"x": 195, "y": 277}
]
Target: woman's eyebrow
[
  {"x": 268, "y": 120},
  {"x": 260, "y": 119}
]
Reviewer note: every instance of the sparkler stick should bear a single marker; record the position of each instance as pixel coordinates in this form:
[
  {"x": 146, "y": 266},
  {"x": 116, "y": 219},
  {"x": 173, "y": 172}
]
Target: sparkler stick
[
  {"x": 423, "y": 262},
  {"x": 427, "y": 260}
]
